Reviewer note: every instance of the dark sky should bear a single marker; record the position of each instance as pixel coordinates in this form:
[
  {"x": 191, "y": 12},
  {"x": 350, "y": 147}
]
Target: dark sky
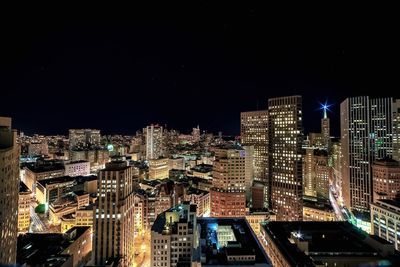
[{"x": 118, "y": 71}]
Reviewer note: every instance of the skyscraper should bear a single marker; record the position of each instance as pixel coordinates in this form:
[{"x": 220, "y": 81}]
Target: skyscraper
[
  {"x": 114, "y": 216},
  {"x": 9, "y": 189},
  {"x": 396, "y": 130},
  {"x": 253, "y": 132},
  {"x": 154, "y": 141},
  {"x": 366, "y": 135},
  {"x": 285, "y": 134},
  {"x": 232, "y": 178}
]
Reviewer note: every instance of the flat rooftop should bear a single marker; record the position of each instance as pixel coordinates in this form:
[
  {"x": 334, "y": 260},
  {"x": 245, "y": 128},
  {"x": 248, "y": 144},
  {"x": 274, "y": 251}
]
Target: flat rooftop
[
  {"x": 64, "y": 179},
  {"x": 36, "y": 248},
  {"x": 245, "y": 242},
  {"x": 23, "y": 188},
  {"x": 325, "y": 239}
]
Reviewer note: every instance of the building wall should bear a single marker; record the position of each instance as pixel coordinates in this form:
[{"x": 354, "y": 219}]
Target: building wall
[
  {"x": 386, "y": 180},
  {"x": 228, "y": 204},
  {"x": 285, "y": 156},
  {"x": 24, "y": 213},
  {"x": 9, "y": 189},
  {"x": 80, "y": 248},
  {"x": 77, "y": 168},
  {"x": 385, "y": 222}
]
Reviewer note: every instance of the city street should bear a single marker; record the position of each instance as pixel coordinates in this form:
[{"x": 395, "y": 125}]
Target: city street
[
  {"x": 142, "y": 246},
  {"x": 335, "y": 205},
  {"x": 37, "y": 225}
]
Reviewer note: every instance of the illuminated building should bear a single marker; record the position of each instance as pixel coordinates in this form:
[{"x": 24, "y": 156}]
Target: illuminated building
[
  {"x": 201, "y": 199},
  {"x": 176, "y": 163},
  {"x": 54, "y": 249},
  {"x": 336, "y": 159},
  {"x": 77, "y": 168},
  {"x": 201, "y": 171},
  {"x": 285, "y": 159},
  {"x": 315, "y": 209},
  {"x": 97, "y": 158},
  {"x": 84, "y": 138},
  {"x": 396, "y": 129},
  {"x": 258, "y": 195},
  {"x": 325, "y": 125},
  {"x": 316, "y": 173},
  {"x": 9, "y": 188},
  {"x": 114, "y": 217},
  {"x": 232, "y": 177},
  {"x": 366, "y": 135},
  {"x": 324, "y": 244},
  {"x": 386, "y": 179},
  {"x": 253, "y": 132},
  {"x": 41, "y": 171},
  {"x": 385, "y": 220},
  {"x": 38, "y": 148},
  {"x": 24, "y": 212},
  {"x": 173, "y": 236},
  {"x": 154, "y": 141},
  {"x": 158, "y": 168},
  {"x": 258, "y": 217}
]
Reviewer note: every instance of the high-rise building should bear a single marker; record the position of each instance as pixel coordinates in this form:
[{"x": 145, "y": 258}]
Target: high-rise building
[
  {"x": 9, "y": 189},
  {"x": 173, "y": 236},
  {"x": 158, "y": 168},
  {"x": 154, "y": 141},
  {"x": 84, "y": 138},
  {"x": 232, "y": 179},
  {"x": 386, "y": 179},
  {"x": 285, "y": 135},
  {"x": 196, "y": 134},
  {"x": 253, "y": 132},
  {"x": 396, "y": 130},
  {"x": 316, "y": 173},
  {"x": 114, "y": 216},
  {"x": 366, "y": 135}
]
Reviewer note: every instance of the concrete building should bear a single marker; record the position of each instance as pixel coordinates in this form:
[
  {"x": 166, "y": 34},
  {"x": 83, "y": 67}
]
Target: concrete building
[
  {"x": 70, "y": 249},
  {"x": 366, "y": 136},
  {"x": 154, "y": 141},
  {"x": 173, "y": 236},
  {"x": 141, "y": 214},
  {"x": 285, "y": 133},
  {"x": 227, "y": 242},
  {"x": 315, "y": 209},
  {"x": 38, "y": 149},
  {"x": 158, "y": 168},
  {"x": 77, "y": 168},
  {"x": 232, "y": 177},
  {"x": 323, "y": 244},
  {"x": 316, "y": 173},
  {"x": 386, "y": 179},
  {"x": 24, "y": 212},
  {"x": 385, "y": 220},
  {"x": 254, "y": 132},
  {"x": 41, "y": 171},
  {"x": 202, "y": 171},
  {"x": 9, "y": 188},
  {"x": 201, "y": 199},
  {"x": 176, "y": 163},
  {"x": 114, "y": 216}
]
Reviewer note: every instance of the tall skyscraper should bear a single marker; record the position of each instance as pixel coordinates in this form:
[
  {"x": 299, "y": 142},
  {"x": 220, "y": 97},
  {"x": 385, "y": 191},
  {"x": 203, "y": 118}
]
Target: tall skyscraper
[
  {"x": 285, "y": 134},
  {"x": 325, "y": 126},
  {"x": 84, "y": 138},
  {"x": 154, "y": 141},
  {"x": 9, "y": 189},
  {"x": 253, "y": 132},
  {"x": 396, "y": 130},
  {"x": 232, "y": 178},
  {"x": 366, "y": 135},
  {"x": 316, "y": 173},
  {"x": 114, "y": 216}
]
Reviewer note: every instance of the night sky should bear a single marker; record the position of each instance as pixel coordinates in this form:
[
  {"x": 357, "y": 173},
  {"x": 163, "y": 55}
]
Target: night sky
[{"x": 197, "y": 65}]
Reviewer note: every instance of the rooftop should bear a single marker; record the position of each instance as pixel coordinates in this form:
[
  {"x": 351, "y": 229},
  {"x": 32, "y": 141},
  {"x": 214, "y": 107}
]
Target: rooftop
[
  {"x": 179, "y": 213},
  {"x": 118, "y": 165},
  {"x": 36, "y": 248},
  {"x": 23, "y": 188},
  {"x": 243, "y": 242},
  {"x": 324, "y": 239},
  {"x": 45, "y": 167},
  {"x": 395, "y": 203},
  {"x": 64, "y": 179}
]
